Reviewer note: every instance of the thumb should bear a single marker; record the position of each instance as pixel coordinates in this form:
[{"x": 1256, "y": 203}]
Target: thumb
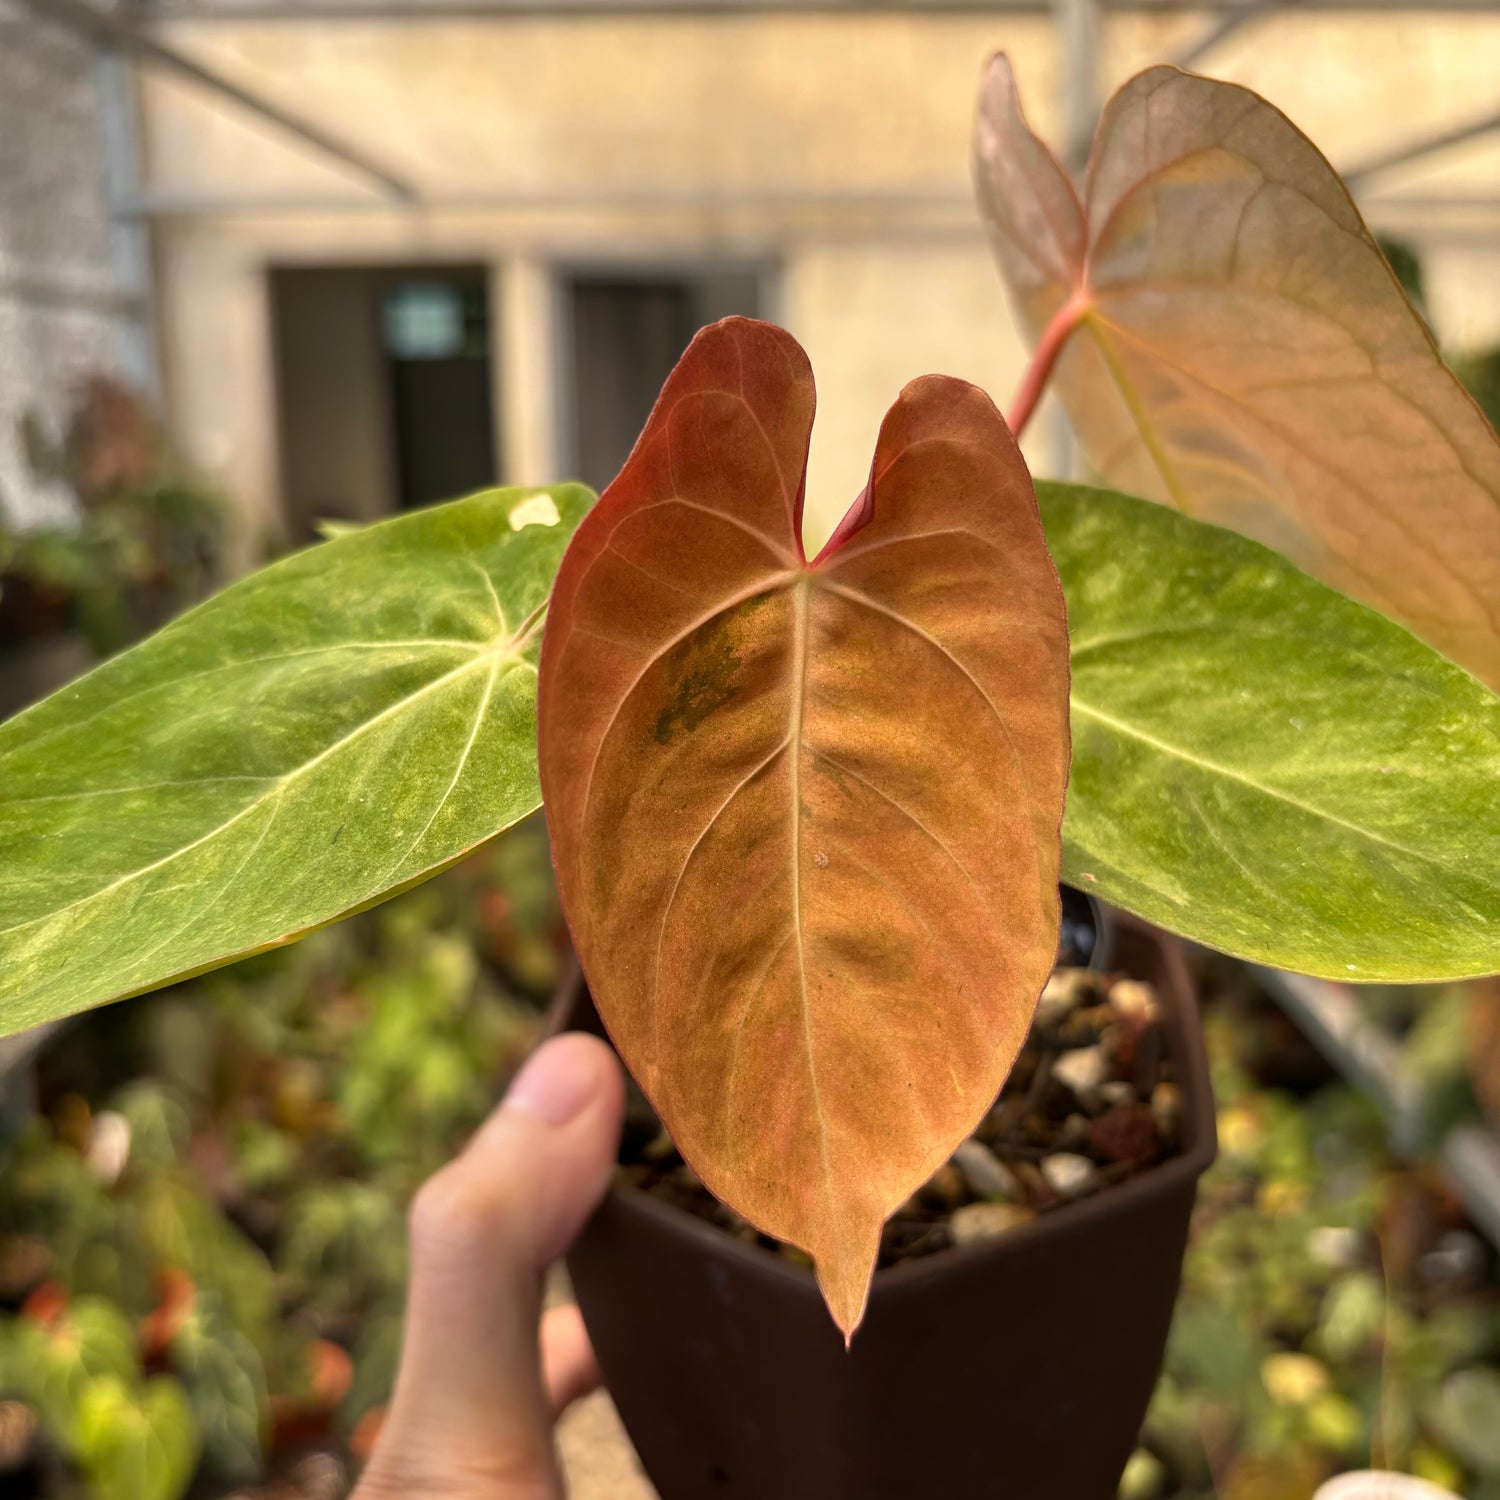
[{"x": 470, "y": 1414}]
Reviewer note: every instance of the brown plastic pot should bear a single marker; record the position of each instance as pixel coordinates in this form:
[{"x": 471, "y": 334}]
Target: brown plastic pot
[{"x": 1017, "y": 1368}]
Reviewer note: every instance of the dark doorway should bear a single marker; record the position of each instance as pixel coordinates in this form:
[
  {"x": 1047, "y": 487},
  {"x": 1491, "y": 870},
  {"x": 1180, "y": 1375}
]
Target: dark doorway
[
  {"x": 384, "y": 383},
  {"x": 626, "y": 331},
  {"x": 437, "y": 344}
]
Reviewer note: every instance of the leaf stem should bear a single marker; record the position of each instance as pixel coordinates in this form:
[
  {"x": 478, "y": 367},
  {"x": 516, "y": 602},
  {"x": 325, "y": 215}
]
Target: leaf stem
[{"x": 1044, "y": 357}]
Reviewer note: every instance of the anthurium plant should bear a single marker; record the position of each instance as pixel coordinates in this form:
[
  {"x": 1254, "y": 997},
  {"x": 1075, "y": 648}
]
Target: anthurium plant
[{"x": 809, "y": 813}]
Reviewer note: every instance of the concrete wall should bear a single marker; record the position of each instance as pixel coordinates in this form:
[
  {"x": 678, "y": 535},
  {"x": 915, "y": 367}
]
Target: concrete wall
[
  {"x": 835, "y": 147},
  {"x": 60, "y": 311}
]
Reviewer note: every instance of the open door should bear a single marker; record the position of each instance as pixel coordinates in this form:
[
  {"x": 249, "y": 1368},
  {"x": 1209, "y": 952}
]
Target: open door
[{"x": 385, "y": 389}]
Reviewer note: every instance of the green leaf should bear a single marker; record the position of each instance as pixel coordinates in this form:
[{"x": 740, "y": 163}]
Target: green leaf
[
  {"x": 345, "y": 1241},
  {"x": 136, "y": 1445},
  {"x": 327, "y": 731},
  {"x": 53, "y": 1365},
  {"x": 1265, "y": 766},
  {"x": 187, "y": 1232},
  {"x": 1467, "y": 1417},
  {"x": 225, "y": 1382},
  {"x": 377, "y": 1354}
]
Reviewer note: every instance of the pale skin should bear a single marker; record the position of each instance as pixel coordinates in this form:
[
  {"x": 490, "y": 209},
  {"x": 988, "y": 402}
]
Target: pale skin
[{"x": 484, "y": 1375}]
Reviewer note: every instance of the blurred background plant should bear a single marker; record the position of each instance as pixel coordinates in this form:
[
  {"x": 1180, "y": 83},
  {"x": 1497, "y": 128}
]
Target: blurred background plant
[
  {"x": 203, "y": 1192},
  {"x": 1479, "y": 369},
  {"x": 202, "y": 1239},
  {"x": 142, "y": 543},
  {"x": 202, "y": 1217},
  {"x": 1481, "y": 373},
  {"x": 1338, "y": 1311}
]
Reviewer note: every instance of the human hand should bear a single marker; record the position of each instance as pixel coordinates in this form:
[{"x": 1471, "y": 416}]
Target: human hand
[{"x": 483, "y": 1375}]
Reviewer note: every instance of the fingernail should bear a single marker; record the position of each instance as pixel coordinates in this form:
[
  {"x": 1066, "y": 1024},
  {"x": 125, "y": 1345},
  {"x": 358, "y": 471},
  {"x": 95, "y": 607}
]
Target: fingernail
[{"x": 557, "y": 1080}]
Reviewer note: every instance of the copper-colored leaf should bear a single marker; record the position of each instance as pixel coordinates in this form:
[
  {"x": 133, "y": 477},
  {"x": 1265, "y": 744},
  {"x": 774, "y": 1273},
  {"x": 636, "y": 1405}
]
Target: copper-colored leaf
[
  {"x": 805, "y": 816},
  {"x": 1233, "y": 343}
]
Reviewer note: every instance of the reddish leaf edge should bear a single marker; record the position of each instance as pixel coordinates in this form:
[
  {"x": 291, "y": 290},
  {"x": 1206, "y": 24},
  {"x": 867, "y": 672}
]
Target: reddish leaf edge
[
  {"x": 861, "y": 510},
  {"x": 859, "y": 515}
]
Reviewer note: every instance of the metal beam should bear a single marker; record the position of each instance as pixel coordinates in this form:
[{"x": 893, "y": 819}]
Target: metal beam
[
  {"x": 112, "y": 31},
  {"x": 895, "y": 204},
  {"x": 449, "y": 10},
  {"x": 1078, "y": 24},
  {"x": 129, "y": 239},
  {"x": 1337, "y": 1024},
  {"x": 1429, "y": 205},
  {"x": 1472, "y": 1156},
  {"x": 1225, "y": 27},
  {"x": 1401, "y": 156}
]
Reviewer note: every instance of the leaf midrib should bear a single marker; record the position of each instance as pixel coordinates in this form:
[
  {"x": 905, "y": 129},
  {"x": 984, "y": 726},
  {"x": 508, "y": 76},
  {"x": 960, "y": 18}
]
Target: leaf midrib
[
  {"x": 1154, "y": 445},
  {"x": 170, "y": 684},
  {"x": 1134, "y": 731},
  {"x": 502, "y": 656},
  {"x": 801, "y": 591}
]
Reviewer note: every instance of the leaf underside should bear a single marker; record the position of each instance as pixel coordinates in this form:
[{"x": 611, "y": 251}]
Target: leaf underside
[
  {"x": 1244, "y": 352},
  {"x": 337, "y": 726},
  {"x": 1264, "y": 765},
  {"x": 805, "y": 816}
]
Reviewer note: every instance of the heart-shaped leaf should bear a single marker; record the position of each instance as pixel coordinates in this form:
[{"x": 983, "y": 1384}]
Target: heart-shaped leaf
[
  {"x": 136, "y": 1444},
  {"x": 54, "y": 1360},
  {"x": 1466, "y": 1414},
  {"x": 1233, "y": 343},
  {"x": 335, "y": 727},
  {"x": 1265, "y": 765},
  {"x": 805, "y": 815},
  {"x": 224, "y": 1379}
]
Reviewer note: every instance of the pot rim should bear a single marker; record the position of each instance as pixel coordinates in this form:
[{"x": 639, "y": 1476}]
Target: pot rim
[{"x": 1087, "y": 1216}]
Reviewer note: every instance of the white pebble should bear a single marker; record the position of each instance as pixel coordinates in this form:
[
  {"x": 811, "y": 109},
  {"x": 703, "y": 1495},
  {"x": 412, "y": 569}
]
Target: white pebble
[
  {"x": 1082, "y": 1071},
  {"x": 1070, "y": 1176},
  {"x": 983, "y": 1221}
]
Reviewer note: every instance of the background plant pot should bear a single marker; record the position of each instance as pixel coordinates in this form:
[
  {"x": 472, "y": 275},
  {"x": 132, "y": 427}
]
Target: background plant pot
[
  {"x": 1018, "y": 1367},
  {"x": 1373, "y": 1484}
]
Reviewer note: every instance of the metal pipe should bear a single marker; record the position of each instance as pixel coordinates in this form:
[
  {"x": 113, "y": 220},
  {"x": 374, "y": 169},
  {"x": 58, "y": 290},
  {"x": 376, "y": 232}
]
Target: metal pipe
[
  {"x": 1400, "y": 156},
  {"x": 112, "y": 31},
  {"x": 1225, "y": 27},
  {"x": 450, "y": 10},
  {"x": 1078, "y": 24},
  {"x": 642, "y": 200},
  {"x": 129, "y": 239},
  {"x": 1429, "y": 204},
  {"x": 468, "y": 10},
  {"x": 1078, "y": 27}
]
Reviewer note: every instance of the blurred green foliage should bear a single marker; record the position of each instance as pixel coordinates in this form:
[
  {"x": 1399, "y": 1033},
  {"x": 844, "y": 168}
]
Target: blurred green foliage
[
  {"x": 1325, "y": 1322},
  {"x": 1478, "y": 369},
  {"x": 1481, "y": 373},
  {"x": 202, "y": 1228},
  {"x": 143, "y": 541}
]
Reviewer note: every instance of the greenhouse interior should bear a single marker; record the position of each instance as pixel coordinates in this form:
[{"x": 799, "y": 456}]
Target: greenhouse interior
[{"x": 1022, "y": 845}]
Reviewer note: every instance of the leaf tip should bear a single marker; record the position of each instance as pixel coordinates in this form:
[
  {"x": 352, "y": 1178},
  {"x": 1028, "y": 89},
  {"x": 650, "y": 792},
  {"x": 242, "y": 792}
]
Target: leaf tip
[
  {"x": 844, "y": 1270},
  {"x": 999, "y": 94},
  {"x": 999, "y": 67}
]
